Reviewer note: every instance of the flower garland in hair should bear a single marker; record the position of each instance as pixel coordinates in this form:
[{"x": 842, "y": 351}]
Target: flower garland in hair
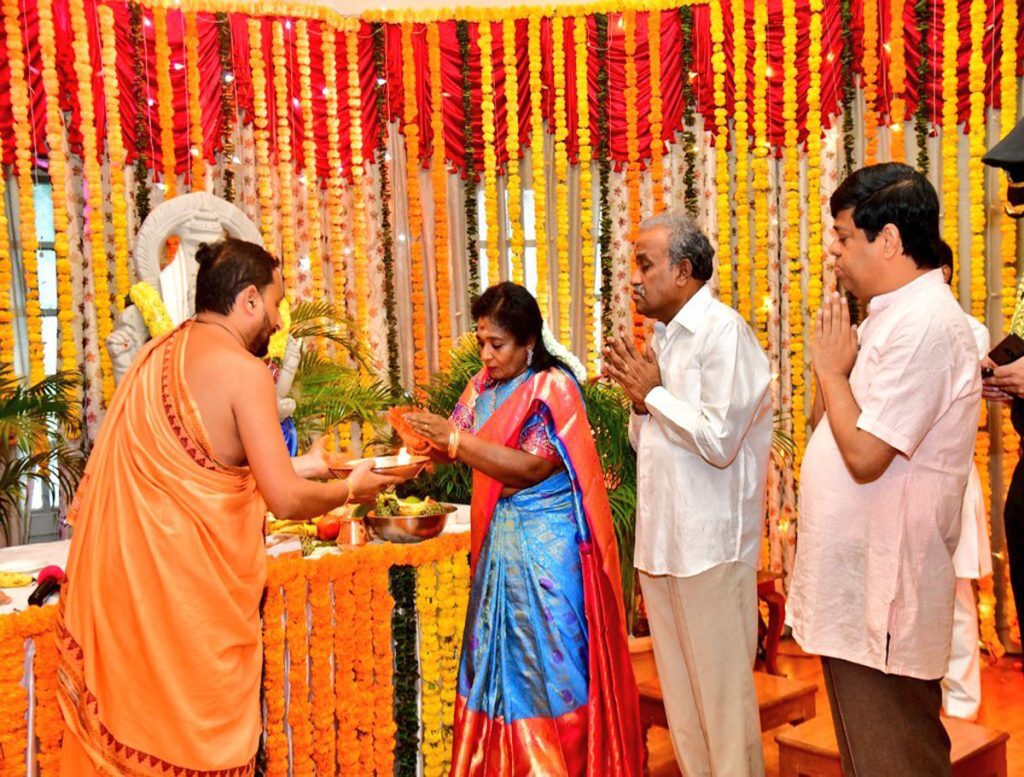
[
  {"x": 923, "y": 20},
  {"x": 285, "y": 165},
  {"x": 563, "y": 354},
  {"x": 261, "y": 133},
  {"x": 387, "y": 234},
  {"x": 115, "y": 152},
  {"x": 165, "y": 101},
  {"x": 870, "y": 82},
  {"x": 310, "y": 179},
  {"x": 604, "y": 168},
  {"x": 355, "y": 112},
  {"x": 469, "y": 162},
  {"x": 228, "y": 103},
  {"x": 485, "y": 41},
  {"x": 406, "y": 700},
  {"x": 514, "y": 184},
  {"x": 975, "y": 171},
  {"x": 586, "y": 189},
  {"x": 412, "y": 169},
  {"x": 721, "y": 161},
  {"x": 94, "y": 188},
  {"x": 139, "y": 92},
  {"x": 439, "y": 195},
  {"x": 151, "y": 306},
  {"x": 335, "y": 193},
  {"x": 58, "y": 180},
  {"x": 657, "y": 145},
  {"x": 951, "y": 134},
  {"x": 24, "y": 163},
  {"x": 897, "y": 81},
  {"x": 195, "y": 106},
  {"x": 741, "y": 145},
  {"x": 538, "y": 165},
  {"x": 561, "y": 122},
  {"x": 688, "y": 138}
]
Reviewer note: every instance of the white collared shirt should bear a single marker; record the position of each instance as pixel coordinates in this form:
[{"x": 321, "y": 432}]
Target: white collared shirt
[
  {"x": 703, "y": 452},
  {"x": 873, "y": 579}
]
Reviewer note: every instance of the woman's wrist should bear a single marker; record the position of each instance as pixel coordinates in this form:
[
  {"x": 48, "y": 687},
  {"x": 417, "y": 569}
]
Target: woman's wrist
[{"x": 454, "y": 440}]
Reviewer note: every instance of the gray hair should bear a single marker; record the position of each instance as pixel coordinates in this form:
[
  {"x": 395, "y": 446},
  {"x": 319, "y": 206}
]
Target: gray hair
[{"x": 685, "y": 241}]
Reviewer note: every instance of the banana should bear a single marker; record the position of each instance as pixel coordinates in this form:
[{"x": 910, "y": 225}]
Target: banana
[{"x": 14, "y": 580}]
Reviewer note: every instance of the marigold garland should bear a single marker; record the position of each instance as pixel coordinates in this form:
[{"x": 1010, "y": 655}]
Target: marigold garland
[
  {"x": 355, "y": 110},
  {"x": 94, "y": 189},
  {"x": 951, "y": 134},
  {"x": 49, "y": 721},
  {"x": 724, "y": 231},
  {"x": 439, "y": 195},
  {"x": 299, "y": 722},
  {"x": 485, "y": 41},
  {"x": 321, "y": 650},
  {"x": 276, "y": 744},
  {"x": 761, "y": 183},
  {"x": 58, "y": 180},
  {"x": 469, "y": 176},
  {"x": 412, "y": 170},
  {"x": 538, "y": 165},
  {"x": 115, "y": 152},
  {"x": 195, "y": 106},
  {"x": 657, "y": 146},
  {"x": 285, "y": 165},
  {"x": 279, "y": 340},
  {"x": 561, "y": 122},
  {"x": 309, "y": 177},
  {"x": 604, "y": 174},
  {"x": 261, "y": 133},
  {"x": 922, "y": 115},
  {"x": 513, "y": 182},
  {"x": 435, "y": 758},
  {"x": 228, "y": 104},
  {"x": 165, "y": 101},
  {"x": 407, "y": 674},
  {"x": 24, "y": 164},
  {"x": 139, "y": 94},
  {"x": 6, "y": 300},
  {"x": 689, "y": 139},
  {"x": 814, "y": 236},
  {"x": 580, "y": 26},
  {"x": 975, "y": 171},
  {"x": 349, "y": 636},
  {"x": 383, "y": 726},
  {"x": 741, "y": 145},
  {"x": 151, "y": 305},
  {"x": 897, "y": 81},
  {"x": 632, "y": 149},
  {"x": 335, "y": 192},
  {"x": 869, "y": 83}
]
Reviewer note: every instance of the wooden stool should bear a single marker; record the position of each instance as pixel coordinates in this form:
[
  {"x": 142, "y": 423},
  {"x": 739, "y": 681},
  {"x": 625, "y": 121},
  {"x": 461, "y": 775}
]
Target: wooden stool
[
  {"x": 779, "y": 700},
  {"x": 769, "y": 635},
  {"x": 810, "y": 750}
]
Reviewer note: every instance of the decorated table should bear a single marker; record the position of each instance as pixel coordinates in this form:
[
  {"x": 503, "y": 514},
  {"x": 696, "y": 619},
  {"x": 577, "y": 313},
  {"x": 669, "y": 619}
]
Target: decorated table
[{"x": 361, "y": 653}]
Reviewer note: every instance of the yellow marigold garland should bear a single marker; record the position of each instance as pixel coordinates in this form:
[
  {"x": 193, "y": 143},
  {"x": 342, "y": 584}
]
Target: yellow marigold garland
[
  {"x": 435, "y": 758},
  {"x": 950, "y": 134},
  {"x": 312, "y": 181},
  {"x": 412, "y": 169},
  {"x": 487, "y": 110},
  {"x": 6, "y": 301},
  {"x": 284, "y": 160},
  {"x": 514, "y": 184},
  {"x": 761, "y": 184},
  {"x": 657, "y": 147},
  {"x": 537, "y": 163},
  {"x": 335, "y": 191},
  {"x": 814, "y": 236},
  {"x": 586, "y": 198},
  {"x": 115, "y": 152},
  {"x": 897, "y": 81},
  {"x": 792, "y": 237},
  {"x": 94, "y": 188},
  {"x": 165, "y": 101},
  {"x": 725, "y": 274},
  {"x": 975, "y": 171},
  {"x": 870, "y": 80},
  {"x": 261, "y": 133},
  {"x": 561, "y": 121},
  {"x": 741, "y": 144},
  {"x": 58, "y": 181},
  {"x": 355, "y": 110},
  {"x": 439, "y": 194},
  {"x": 195, "y": 105},
  {"x": 24, "y": 165},
  {"x": 279, "y": 340},
  {"x": 151, "y": 306}
]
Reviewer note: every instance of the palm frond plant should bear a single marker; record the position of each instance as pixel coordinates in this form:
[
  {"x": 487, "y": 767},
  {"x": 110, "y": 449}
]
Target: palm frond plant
[{"x": 37, "y": 426}]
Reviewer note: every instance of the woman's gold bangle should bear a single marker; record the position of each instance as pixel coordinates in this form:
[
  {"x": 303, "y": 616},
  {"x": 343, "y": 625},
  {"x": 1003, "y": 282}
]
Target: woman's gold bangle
[
  {"x": 454, "y": 437},
  {"x": 348, "y": 491}
]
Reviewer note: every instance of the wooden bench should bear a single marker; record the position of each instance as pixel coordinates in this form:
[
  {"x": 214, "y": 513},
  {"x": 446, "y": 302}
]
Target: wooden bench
[
  {"x": 810, "y": 750},
  {"x": 779, "y": 700}
]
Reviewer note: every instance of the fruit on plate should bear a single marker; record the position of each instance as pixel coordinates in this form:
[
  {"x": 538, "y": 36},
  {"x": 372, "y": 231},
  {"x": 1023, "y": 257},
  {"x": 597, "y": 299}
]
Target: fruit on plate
[
  {"x": 14, "y": 580},
  {"x": 327, "y": 528},
  {"x": 390, "y": 504},
  {"x": 297, "y": 528}
]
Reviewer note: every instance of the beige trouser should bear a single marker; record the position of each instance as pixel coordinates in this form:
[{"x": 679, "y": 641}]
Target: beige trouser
[{"x": 704, "y": 630}]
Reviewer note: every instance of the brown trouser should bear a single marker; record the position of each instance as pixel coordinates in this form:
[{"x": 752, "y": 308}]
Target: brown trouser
[{"x": 886, "y": 725}]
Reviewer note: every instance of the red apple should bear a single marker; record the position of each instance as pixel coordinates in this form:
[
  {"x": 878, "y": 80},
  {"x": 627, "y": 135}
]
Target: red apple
[{"x": 328, "y": 527}]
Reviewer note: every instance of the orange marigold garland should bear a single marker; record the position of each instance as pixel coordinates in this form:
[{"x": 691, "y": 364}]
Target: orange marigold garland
[
  {"x": 950, "y": 134},
  {"x": 724, "y": 232},
  {"x": 412, "y": 169},
  {"x": 657, "y": 147},
  {"x": 561, "y": 178},
  {"x": 539, "y": 168},
  {"x": 335, "y": 192},
  {"x": 195, "y": 105},
  {"x": 49, "y": 721},
  {"x": 485, "y": 41},
  {"x": 165, "y": 101},
  {"x": 6, "y": 281},
  {"x": 115, "y": 153},
  {"x": 309, "y": 176},
  {"x": 439, "y": 194},
  {"x": 350, "y": 623},
  {"x": 975, "y": 171},
  {"x": 284, "y": 161},
  {"x": 299, "y": 723},
  {"x": 514, "y": 184},
  {"x": 321, "y": 650},
  {"x": 261, "y": 133},
  {"x": 897, "y": 81},
  {"x": 741, "y": 144},
  {"x": 273, "y": 679},
  {"x": 586, "y": 199},
  {"x": 870, "y": 81},
  {"x": 633, "y": 149},
  {"x": 383, "y": 663},
  {"x": 355, "y": 110}
]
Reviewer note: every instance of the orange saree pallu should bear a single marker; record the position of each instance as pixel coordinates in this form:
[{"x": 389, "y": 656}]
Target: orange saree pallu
[
  {"x": 159, "y": 632},
  {"x": 546, "y": 685}
]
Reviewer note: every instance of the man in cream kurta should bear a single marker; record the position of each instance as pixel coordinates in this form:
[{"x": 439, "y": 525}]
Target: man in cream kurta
[{"x": 702, "y": 428}]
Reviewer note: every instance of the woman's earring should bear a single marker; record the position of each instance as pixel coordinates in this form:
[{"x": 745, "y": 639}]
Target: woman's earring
[{"x": 529, "y": 357}]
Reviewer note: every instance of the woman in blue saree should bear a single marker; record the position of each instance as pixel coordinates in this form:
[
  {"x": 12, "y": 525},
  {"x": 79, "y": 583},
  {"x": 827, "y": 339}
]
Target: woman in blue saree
[{"x": 545, "y": 682}]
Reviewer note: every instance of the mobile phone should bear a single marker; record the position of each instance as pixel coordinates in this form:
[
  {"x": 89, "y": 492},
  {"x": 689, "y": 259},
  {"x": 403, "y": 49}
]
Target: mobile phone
[{"x": 1007, "y": 351}]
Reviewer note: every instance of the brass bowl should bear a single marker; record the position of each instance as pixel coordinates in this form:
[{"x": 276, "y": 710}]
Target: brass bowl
[
  {"x": 385, "y": 465},
  {"x": 408, "y": 528}
]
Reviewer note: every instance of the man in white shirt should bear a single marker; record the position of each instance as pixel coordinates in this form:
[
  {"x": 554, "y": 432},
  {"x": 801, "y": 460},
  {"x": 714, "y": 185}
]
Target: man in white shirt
[
  {"x": 701, "y": 426},
  {"x": 883, "y": 478}
]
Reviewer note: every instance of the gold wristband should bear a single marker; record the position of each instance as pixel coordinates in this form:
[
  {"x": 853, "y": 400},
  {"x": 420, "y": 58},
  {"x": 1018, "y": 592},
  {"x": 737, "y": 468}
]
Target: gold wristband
[
  {"x": 348, "y": 491},
  {"x": 454, "y": 437}
]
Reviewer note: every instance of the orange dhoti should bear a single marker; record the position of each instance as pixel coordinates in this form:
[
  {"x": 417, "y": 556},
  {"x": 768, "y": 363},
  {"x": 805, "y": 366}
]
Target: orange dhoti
[{"x": 159, "y": 632}]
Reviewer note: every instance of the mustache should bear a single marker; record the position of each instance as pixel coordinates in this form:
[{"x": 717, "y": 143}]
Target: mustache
[{"x": 639, "y": 291}]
